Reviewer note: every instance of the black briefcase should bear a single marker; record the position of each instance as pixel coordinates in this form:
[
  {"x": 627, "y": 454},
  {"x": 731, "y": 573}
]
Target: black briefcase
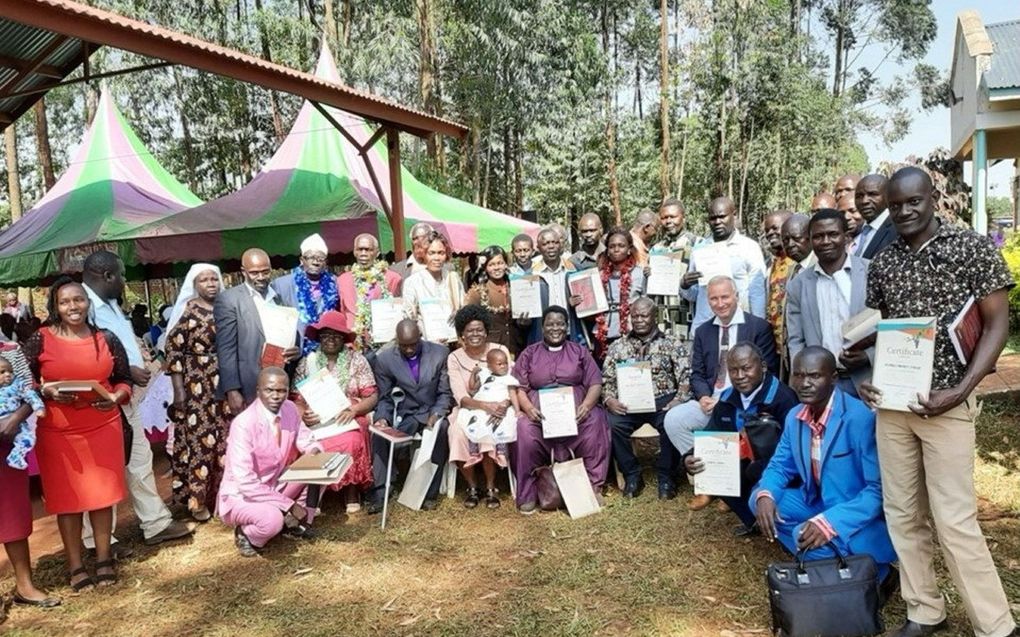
[{"x": 835, "y": 597}]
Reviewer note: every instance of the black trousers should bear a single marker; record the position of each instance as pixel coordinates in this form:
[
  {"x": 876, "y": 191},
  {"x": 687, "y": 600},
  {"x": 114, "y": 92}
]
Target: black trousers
[
  {"x": 623, "y": 447},
  {"x": 381, "y": 451}
]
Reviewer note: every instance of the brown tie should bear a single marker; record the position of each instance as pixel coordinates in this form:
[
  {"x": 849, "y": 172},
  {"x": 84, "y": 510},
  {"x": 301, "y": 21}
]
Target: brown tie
[{"x": 724, "y": 346}]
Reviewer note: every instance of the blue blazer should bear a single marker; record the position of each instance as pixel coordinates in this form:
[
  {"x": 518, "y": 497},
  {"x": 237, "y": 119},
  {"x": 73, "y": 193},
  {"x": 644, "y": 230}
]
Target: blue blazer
[
  {"x": 851, "y": 490},
  {"x": 705, "y": 354}
]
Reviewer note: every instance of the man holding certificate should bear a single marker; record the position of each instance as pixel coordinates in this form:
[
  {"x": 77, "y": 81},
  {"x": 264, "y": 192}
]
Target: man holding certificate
[
  {"x": 828, "y": 450},
  {"x": 755, "y": 408},
  {"x": 729, "y": 253},
  {"x": 368, "y": 280},
  {"x": 927, "y": 453},
  {"x": 645, "y": 373},
  {"x": 675, "y": 243}
]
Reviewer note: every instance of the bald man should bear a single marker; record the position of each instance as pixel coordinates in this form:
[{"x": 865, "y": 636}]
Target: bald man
[
  {"x": 822, "y": 200},
  {"x": 263, "y": 440},
  {"x": 375, "y": 282},
  {"x": 240, "y": 338},
  {"x": 746, "y": 265},
  {"x": 797, "y": 242},
  {"x": 590, "y": 230},
  {"x": 643, "y": 230},
  {"x": 845, "y": 186}
]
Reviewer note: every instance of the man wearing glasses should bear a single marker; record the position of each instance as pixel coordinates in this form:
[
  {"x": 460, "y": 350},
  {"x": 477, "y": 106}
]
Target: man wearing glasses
[{"x": 310, "y": 288}]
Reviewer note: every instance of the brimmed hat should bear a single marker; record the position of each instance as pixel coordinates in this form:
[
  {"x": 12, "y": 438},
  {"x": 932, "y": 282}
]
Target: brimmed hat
[{"x": 331, "y": 320}]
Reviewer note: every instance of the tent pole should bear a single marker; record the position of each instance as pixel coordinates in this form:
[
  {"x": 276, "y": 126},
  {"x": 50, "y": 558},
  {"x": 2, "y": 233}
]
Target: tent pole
[
  {"x": 396, "y": 193},
  {"x": 148, "y": 297}
]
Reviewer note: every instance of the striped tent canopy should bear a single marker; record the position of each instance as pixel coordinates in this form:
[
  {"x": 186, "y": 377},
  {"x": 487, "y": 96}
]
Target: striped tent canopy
[
  {"x": 112, "y": 186},
  {"x": 317, "y": 181}
]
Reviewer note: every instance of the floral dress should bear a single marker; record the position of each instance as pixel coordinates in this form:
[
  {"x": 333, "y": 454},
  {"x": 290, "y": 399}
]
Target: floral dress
[{"x": 200, "y": 429}]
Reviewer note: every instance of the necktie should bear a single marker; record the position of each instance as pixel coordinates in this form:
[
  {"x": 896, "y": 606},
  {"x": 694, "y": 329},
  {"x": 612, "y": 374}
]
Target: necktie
[
  {"x": 862, "y": 241},
  {"x": 724, "y": 346}
]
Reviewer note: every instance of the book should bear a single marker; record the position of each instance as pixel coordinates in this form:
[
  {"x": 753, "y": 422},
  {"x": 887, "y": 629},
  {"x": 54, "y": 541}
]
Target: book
[
  {"x": 272, "y": 356},
  {"x": 587, "y": 284},
  {"x": 84, "y": 390},
  {"x": 321, "y": 468},
  {"x": 389, "y": 433},
  {"x": 859, "y": 327},
  {"x": 965, "y": 330},
  {"x": 319, "y": 462}
]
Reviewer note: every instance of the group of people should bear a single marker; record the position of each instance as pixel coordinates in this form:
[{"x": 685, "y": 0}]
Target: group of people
[{"x": 757, "y": 347}]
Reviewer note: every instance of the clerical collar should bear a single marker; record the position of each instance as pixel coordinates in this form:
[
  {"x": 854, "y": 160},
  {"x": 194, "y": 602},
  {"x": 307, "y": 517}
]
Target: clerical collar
[
  {"x": 415, "y": 356},
  {"x": 552, "y": 348}
]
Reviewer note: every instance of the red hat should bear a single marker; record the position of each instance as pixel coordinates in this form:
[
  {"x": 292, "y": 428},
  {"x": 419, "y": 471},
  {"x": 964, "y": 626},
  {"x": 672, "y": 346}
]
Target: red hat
[{"x": 331, "y": 320}]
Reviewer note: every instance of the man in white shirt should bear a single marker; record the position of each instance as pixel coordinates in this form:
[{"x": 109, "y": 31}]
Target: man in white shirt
[
  {"x": 746, "y": 264},
  {"x": 103, "y": 280}
]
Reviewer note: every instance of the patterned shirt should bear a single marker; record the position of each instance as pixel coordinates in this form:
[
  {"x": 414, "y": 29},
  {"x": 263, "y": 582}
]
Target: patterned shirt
[
  {"x": 671, "y": 367},
  {"x": 18, "y": 393},
  {"x": 937, "y": 280},
  {"x": 775, "y": 308}
]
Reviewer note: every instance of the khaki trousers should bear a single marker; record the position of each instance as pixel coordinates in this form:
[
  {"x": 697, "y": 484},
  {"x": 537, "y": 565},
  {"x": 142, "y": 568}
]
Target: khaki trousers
[{"x": 928, "y": 468}]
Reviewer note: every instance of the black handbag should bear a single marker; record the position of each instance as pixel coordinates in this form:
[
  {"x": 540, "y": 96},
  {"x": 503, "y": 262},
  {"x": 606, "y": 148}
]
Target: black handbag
[
  {"x": 763, "y": 433},
  {"x": 835, "y": 597}
]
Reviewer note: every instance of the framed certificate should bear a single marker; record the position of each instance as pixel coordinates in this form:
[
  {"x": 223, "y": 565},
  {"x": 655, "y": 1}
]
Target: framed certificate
[
  {"x": 587, "y": 284},
  {"x": 904, "y": 358},
  {"x": 386, "y": 313},
  {"x": 559, "y": 413},
  {"x": 720, "y": 453},
  {"x": 635, "y": 388},
  {"x": 526, "y": 295},
  {"x": 711, "y": 260},
  {"x": 668, "y": 269},
  {"x": 435, "y": 318}
]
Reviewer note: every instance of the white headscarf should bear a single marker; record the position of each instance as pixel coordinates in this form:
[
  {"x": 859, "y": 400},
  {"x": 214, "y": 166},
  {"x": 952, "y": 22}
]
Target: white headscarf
[{"x": 187, "y": 294}]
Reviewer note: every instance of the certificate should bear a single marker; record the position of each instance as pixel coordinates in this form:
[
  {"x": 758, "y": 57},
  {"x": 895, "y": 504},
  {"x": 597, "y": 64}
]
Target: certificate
[
  {"x": 587, "y": 284},
  {"x": 526, "y": 295},
  {"x": 711, "y": 260},
  {"x": 322, "y": 395},
  {"x": 904, "y": 358},
  {"x": 559, "y": 413},
  {"x": 668, "y": 268},
  {"x": 435, "y": 318},
  {"x": 386, "y": 313},
  {"x": 719, "y": 451},
  {"x": 635, "y": 388},
  {"x": 279, "y": 324}
]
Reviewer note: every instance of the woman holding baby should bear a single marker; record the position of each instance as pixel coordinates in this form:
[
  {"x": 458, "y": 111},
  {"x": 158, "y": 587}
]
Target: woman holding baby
[{"x": 472, "y": 323}]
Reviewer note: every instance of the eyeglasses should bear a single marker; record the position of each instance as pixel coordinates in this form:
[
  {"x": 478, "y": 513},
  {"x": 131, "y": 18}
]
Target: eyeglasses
[{"x": 314, "y": 259}]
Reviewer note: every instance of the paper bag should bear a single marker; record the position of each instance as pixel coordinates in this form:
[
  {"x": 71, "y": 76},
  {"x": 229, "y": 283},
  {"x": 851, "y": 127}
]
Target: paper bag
[{"x": 578, "y": 496}]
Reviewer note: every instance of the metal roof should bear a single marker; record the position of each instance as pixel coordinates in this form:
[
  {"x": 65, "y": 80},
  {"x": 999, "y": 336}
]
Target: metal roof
[
  {"x": 1005, "y": 69},
  {"x": 41, "y": 41}
]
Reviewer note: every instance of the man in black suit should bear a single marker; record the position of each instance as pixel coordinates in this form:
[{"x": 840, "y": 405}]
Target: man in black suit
[
  {"x": 709, "y": 373},
  {"x": 239, "y": 334},
  {"x": 879, "y": 231},
  {"x": 418, "y": 368}
]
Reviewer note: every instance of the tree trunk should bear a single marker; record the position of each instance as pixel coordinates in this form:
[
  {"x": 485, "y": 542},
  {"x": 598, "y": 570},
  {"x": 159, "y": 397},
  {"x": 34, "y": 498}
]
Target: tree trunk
[
  {"x": 518, "y": 175},
  {"x": 476, "y": 160},
  {"x": 683, "y": 166},
  {"x": 13, "y": 172},
  {"x": 837, "y": 82},
  {"x": 614, "y": 187},
  {"x": 329, "y": 19},
  {"x": 274, "y": 107},
  {"x": 345, "y": 30},
  {"x": 508, "y": 177},
  {"x": 42, "y": 144},
  {"x": 91, "y": 104},
  {"x": 424, "y": 10},
  {"x": 664, "y": 188},
  {"x": 637, "y": 90}
]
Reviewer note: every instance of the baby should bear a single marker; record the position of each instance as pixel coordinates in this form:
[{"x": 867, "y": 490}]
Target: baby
[
  {"x": 15, "y": 392},
  {"x": 493, "y": 385}
]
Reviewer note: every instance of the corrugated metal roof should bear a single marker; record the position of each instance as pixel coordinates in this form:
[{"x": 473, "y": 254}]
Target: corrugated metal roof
[
  {"x": 23, "y": 48},
  {"x": 1005, "y": 69}
]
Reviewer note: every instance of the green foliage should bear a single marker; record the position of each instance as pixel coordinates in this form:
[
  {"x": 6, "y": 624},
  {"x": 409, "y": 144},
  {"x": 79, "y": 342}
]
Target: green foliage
[
  {"x": 999, "y": 208},
  {"x": 1011, "y": 252}
]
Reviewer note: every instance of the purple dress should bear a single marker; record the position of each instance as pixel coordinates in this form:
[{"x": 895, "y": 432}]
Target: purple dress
[{"x": 536, "y": 368}]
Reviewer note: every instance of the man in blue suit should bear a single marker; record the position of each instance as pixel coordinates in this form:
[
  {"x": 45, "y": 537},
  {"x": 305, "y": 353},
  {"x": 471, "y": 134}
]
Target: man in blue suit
[
  {"x": 827, "y": 449},
  {"x": 709, "y": 373}
]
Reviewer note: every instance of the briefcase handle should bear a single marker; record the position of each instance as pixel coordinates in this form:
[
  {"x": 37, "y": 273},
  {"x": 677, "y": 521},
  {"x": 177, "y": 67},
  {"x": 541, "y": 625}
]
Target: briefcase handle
[{"x": 802, "y": 575}]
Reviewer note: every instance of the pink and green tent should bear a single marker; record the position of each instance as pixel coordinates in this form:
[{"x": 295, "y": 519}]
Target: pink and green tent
[
  {"x": 112, "y": 186},
  {"x": 317, "y": 182}
]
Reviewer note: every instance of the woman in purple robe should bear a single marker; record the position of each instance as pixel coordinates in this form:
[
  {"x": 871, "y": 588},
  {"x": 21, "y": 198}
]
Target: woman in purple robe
[{"x": 556, "y": 362}]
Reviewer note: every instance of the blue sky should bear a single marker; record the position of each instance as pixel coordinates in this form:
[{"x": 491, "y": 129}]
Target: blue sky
[{"x": 929, "y": 130}]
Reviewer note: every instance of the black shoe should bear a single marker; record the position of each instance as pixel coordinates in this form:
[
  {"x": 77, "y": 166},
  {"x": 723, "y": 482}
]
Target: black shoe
[
  {"x": 913, "y": 629},
  {"x": 429, "y": 505},
  {"x": 301, "y": 531},
  {"x": 633, "y": 487},
  {"x": 374, "y": 508},
  {"x": 746, "y": 531},
  {"x": 889, "y": 586},
  {"x": 667, "y": 491},
  {"x": 243, "y": 544}
]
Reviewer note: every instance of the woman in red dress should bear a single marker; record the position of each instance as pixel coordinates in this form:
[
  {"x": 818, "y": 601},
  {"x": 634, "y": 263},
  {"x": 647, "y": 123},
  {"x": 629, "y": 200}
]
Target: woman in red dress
[{"x": 80, "y": 443}]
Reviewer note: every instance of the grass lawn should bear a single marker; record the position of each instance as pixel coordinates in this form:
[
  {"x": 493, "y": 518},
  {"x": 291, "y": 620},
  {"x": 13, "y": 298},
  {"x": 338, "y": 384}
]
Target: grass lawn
[{"x": 641, "y": 568}]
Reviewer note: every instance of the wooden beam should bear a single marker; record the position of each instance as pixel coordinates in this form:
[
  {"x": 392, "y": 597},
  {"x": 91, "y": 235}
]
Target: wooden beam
[
  {"x": 47, "y": 70},
  {"x": 396, "y": 195},
  {"x": 31, "y": 67},
  {"x": 6, "y": 118},
  {"x": 88, "y": 78}
]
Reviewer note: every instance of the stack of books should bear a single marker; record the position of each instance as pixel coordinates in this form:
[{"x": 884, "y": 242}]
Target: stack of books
[{"x": 321, "y": 468}]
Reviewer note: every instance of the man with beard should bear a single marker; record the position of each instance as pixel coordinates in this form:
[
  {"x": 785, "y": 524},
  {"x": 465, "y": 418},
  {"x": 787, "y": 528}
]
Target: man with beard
[
  {"x": 308, "y": 288},
  {"x": 674, "y": 311},
  {"x": 869, "y": 198},
  {"x": 366, "y": 281},
  {"x": 590, "y": 229},
  {"x": 746, "y": 261}
]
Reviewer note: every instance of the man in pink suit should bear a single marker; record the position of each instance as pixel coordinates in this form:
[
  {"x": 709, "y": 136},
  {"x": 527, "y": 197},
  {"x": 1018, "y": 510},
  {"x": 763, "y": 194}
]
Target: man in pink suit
[
  {"x": 367, "y": 280},
  {"x": 264, "y": 439}
]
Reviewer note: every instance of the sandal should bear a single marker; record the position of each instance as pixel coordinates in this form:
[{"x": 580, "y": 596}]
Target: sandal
[
  {"x": 83, "y": 583},
  {"x": 106, "y": 579},
  {"x": 201, "y": 515},
  {"x": 492, "y": 499},
  {"x": 471, "y": 501}
]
